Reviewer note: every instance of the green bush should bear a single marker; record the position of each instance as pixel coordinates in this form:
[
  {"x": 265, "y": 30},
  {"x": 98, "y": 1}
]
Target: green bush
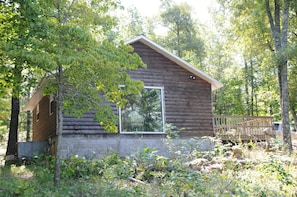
[{"x": 77, "y": 167}]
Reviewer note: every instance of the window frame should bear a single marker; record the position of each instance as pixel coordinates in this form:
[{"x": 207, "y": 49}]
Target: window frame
[{"x": 162, "y": 111}]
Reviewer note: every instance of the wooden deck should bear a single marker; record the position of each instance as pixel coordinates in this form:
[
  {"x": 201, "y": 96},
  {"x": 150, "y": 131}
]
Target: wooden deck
[{"x": 244, "y": 128}]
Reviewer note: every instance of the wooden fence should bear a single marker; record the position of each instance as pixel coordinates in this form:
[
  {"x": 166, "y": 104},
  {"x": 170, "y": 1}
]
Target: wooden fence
[{"x": 244, "y": 128}]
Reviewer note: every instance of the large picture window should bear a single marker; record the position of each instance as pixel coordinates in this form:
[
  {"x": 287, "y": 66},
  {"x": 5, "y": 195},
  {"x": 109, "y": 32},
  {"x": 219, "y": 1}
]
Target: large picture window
[{"x": 143, "y": 113}]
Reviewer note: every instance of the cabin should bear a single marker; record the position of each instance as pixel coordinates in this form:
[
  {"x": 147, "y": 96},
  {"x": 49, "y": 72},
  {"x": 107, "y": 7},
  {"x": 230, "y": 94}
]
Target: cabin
[{"x": 177, "y": 93}]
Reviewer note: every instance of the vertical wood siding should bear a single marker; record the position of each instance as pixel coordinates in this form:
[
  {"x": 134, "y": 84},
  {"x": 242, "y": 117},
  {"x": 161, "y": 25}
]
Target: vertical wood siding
[
  {"x": 187, "y": 101},
  {"x": 84, "y": 125},
  {"x": 45, "y": 127}
]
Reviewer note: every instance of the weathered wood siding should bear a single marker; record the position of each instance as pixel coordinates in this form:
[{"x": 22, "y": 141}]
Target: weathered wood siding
[
  {"x": 45, "y": 127},
  {"x": 85, "y": 124},
  {"x": 187, "y": 101}
]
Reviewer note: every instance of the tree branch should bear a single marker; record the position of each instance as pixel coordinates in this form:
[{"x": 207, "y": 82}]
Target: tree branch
[
  {"x": 277, "y": 15},
  {"x": 67, "y": 14},
  {"x": 285, "y": 24},
  {"x": 270, "y": 18}
]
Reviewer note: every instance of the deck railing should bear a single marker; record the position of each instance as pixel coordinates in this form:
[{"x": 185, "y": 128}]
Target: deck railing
[{"x": 244, "y": 128}]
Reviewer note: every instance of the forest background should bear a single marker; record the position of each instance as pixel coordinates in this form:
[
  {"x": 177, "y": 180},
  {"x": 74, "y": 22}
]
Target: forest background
[{"x": 235, "y": 47}]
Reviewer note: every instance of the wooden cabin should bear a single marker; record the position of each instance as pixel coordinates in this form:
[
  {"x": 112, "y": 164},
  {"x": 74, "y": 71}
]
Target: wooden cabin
[{"x": 182, "y": 97}]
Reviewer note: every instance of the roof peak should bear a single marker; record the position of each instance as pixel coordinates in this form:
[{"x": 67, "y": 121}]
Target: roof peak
[{"x": 143, "y": 39}]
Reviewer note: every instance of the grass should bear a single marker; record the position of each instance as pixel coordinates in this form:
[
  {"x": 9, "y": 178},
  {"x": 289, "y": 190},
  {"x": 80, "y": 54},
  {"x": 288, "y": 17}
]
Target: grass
[{"x": 258, "y": 173}]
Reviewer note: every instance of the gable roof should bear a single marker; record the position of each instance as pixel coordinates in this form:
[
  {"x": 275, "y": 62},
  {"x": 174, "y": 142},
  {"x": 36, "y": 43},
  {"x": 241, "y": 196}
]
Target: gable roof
[{"x": 214, "y": 83}]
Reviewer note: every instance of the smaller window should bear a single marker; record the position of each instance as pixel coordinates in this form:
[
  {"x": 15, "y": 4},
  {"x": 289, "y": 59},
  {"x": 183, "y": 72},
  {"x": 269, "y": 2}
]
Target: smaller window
[
  {"x": 51, "y": 104},
  {"x": 37, "y": 113}
]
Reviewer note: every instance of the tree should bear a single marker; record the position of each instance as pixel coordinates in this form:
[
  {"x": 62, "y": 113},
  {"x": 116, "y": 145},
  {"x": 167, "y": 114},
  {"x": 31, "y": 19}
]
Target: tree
[
  {"x": 6, "y": 15},
  {"x": 16, "y": 35},
  {"x": 132, "y": 25},
  {"x": 293, "y": 66},
  {"x": 86, "y": 68},
  {"x": 252, "y": 21},
  {"x": 68, "y": 40},
  {"x": 280, "y": 36},
  {"x": 182, "y": 37}
]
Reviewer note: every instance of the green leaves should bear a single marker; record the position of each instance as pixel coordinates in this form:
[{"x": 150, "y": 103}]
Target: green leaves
[
  {"x": 94, "y": 76},
  {"x": 43, "y": 35},
  {"x": 92, "y": 71},
  {"x": 183, "y": 35}
]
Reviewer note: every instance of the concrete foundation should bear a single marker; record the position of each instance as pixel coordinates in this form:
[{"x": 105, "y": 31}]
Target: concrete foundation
[
  {"x": 94, "y": 147},
  {"x": 31, "y": 149}
]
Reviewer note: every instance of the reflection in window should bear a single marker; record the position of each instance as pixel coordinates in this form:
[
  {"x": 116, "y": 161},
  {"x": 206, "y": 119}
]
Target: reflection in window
[
  {"x": 143, "y": 112},
  {"x": 51, "y": 104},
  {"x": 37, "y": 113}
]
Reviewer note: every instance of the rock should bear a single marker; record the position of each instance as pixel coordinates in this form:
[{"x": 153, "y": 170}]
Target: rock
[
  {"x": 237, "y": 152},
  {"x": 197, "y": 163},
  {"x": 216, "y": 167},
  {"x": 205, "y": 169}
]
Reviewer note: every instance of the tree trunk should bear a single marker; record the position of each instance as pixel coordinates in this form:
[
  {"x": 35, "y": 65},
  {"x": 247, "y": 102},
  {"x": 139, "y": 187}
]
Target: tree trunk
[
  {"x": 280, "y": 37},
  {"x": 28, "y": 122},
  {"x": 256, "y": 104},
  {"x": 285, "y": 109},
  {"x": 11, "y": 150},
  {"x": 284, "y": 79},
  {"x": 179, "y": 52},
  {"x": 28, "y": 126},
  {"x": 247, "y": 88},
  {"x": 252, "y": 87},
  {"x": 59, "y": 102},
  {"x": 59, "y": 116}
]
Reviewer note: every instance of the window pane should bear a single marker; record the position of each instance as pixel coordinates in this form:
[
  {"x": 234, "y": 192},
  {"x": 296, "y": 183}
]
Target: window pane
[{"x": 143, "y": 112}]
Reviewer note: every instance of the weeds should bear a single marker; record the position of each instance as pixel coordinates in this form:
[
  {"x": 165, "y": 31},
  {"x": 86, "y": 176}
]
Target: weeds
[{"x": 148, "y": 173}]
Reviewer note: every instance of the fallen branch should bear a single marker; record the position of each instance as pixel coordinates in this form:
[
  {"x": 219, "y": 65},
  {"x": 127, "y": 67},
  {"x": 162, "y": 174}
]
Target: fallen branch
[{"x": 136, "y": 180}]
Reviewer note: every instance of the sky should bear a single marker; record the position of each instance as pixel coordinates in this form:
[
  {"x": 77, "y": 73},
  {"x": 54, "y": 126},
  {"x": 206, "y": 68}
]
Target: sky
[{"x": 151, "y": 7}]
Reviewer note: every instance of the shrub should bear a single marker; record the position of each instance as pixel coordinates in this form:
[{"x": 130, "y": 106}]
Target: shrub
[
  {"x": 77, "y": 167},
  {"x": 149, "y": 174}
]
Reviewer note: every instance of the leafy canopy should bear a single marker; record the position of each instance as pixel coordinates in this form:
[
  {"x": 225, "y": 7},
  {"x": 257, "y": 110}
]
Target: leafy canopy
[{"x": 93, "y": 67}]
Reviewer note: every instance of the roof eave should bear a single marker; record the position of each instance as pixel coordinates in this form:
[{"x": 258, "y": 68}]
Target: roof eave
[{"x": 36, "y": 97}]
